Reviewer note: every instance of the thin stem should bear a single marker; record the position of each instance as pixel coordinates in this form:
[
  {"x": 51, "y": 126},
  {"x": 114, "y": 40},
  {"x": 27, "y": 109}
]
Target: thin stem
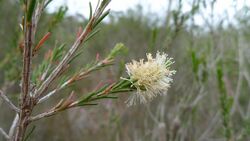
[
  {"x": 70, "y": 81},
  {"x": 46, "y": 97},
  {"x": 65, "y": 60},
  {"x": 84, "y": 35},
  {"x": 43, "y": 115},
  {"x": 211, "y": 127},
  {"x": 240, "y": 79},
  {"x": 13, "y": 126},
  {"x": 26, "y": 102},
  {"x": 4, "y": 134},
  {"x": 10, "y": 104},
  {"x": 27, "y": 63},
  {"x": 45, "y": 73},
  {"x": 37, "y": 16}
]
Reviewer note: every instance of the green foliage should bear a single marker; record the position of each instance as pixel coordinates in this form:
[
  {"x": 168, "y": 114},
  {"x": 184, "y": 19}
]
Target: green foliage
[
  {"x": 199, "y": 66},
  {"x": 90, "y": 10},
  {"x": 117, "y": 50},
  {"x": 52, "y": 57},
  {"x": 247, "y": 126},
  {"x": 196, "y": 50},
  {"x": 57, "y": 53},
  {"x": 152, "y": 43},
  {"x": 105, "y": 91},
  {"x": 93, "y": 33},
  {"x": 58, "y": 17},
  {"x": 101, "y": 18},
  {"x": 196, "y": 63},
  {"x": 32, "y": 5},
  {"x": 38, "y": 72},
  {"x": 226, "y": 103}
]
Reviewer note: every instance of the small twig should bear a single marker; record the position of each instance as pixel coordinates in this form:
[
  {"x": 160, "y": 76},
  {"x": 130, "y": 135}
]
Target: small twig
[
  {"x": 152, "y": 116},
  {"x": 43, "y": 115},
  {"x": 52, "y": 92},
  {"x": 212, "y": 124},
  {"x": 54, "y": 110},
  {"x": 65, "y": 60},
  {"x": 4, "y": 134},
  {"x": 11, "y": 105},
  {"x": 13, "y": 126},
  {"x": 70, "y": 81},
  {"x": 45, "y": 73},
  {"x": 236, "y": 104}
]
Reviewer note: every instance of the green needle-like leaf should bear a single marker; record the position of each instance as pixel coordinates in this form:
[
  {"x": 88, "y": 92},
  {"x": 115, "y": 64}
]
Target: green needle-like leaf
[{"x": 31, "y": 10}]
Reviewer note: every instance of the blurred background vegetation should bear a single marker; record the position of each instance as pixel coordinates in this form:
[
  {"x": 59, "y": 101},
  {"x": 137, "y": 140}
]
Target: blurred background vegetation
[{"x": 208, "y": 101}]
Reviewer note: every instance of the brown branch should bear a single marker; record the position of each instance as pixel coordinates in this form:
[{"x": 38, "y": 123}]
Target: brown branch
[
  {"x": 88, "y": 29},
  {"x": 26, "y": 101},
  {"x": 65, "y": 60},
  {"x": 27, "y": 54}
]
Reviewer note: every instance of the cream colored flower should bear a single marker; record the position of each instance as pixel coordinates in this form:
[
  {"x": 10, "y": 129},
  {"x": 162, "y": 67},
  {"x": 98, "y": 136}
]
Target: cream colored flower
[{"x": 151, "y": 78}]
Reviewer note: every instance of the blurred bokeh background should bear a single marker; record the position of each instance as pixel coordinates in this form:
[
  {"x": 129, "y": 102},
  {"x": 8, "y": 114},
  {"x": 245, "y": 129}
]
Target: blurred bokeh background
[{"x": 205, "y": 37}]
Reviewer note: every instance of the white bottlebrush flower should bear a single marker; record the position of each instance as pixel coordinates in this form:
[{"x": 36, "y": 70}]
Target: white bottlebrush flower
[{"x": 150, "y": 78}]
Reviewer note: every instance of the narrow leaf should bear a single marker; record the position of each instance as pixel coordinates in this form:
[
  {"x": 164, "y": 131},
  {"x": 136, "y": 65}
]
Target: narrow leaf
[
  {"x": 90, "y": 11},
  {"x": 31, "y": 10},
  {"x": 101, "y": 18},
  {"x": 92, "y": 34}
]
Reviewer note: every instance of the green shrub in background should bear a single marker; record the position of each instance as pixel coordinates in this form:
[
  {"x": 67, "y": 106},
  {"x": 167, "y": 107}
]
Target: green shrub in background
[
  {"x": 36, "y": 80},
  {"x": 193, "y": 109}
]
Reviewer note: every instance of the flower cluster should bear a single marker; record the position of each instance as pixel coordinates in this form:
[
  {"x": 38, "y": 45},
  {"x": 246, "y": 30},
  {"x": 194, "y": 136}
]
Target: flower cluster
[{"x": 150, "y": 78}]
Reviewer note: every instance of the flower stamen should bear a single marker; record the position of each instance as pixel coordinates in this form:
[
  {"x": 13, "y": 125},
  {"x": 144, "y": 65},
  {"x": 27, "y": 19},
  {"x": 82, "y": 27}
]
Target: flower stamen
[{"x": 152, "y": 77}]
